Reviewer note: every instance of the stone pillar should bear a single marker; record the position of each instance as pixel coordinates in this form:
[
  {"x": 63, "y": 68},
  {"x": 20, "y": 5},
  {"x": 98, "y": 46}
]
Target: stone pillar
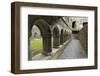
[
  {"x": 56, "y": 41},
  {"x": 47, "y": 49},
  {"x": 65, "y": 38},
  {"x": 61, "y": 38},
  {"x": 29, "y": 50}
]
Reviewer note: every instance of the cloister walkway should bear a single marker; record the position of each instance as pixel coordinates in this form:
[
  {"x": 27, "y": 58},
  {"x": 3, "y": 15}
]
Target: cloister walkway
[{"x": 74, "y": 50}]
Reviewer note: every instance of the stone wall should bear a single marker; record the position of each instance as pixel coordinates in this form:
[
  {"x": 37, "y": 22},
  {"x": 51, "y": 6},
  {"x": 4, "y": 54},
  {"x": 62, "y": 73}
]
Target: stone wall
[{"x": 83, "y": 36}]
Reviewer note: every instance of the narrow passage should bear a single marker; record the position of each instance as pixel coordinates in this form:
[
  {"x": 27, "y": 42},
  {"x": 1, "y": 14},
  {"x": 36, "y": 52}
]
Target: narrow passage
[{"x": 73, "y": 50}]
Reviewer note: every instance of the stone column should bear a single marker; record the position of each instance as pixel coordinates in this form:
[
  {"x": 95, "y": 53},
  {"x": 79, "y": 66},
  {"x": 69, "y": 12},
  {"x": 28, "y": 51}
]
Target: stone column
[
  {"x": 29, "y": 50},
  {"x": 56, "y": 41},
  {"x": 61, "y": 38},
  {"x": 47, "y": 49},
  {"x": 64, "y": 37}
]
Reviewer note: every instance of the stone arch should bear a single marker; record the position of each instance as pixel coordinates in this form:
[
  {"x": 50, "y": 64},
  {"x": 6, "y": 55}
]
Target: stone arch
[
  {"x": 56, "y": 37},
  {"x": 61, "y": 36},
  {"x": 73, "y": 24},
  {"x": 45, "y": 33},
  {"x": 43, "y": 26},
  {"x": 35, "y": 32}
]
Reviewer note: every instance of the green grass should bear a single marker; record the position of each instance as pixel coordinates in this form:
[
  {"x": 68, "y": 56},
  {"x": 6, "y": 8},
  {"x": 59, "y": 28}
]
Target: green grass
[{"x": 36, "y": 44}]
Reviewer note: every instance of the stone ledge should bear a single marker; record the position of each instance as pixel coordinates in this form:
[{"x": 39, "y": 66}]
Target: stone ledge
[{"x": 54, "y": 55}]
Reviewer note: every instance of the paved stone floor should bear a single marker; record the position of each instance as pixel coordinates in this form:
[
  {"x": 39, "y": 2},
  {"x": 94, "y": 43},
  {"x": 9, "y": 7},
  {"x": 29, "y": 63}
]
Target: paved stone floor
[{"x": 73, "y": 50}]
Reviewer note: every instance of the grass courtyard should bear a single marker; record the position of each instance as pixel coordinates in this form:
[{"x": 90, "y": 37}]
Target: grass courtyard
[{"x": 36, "y": 44}]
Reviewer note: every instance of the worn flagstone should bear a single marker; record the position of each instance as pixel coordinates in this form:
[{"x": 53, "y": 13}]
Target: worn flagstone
[{"x": 73, "y": 50}]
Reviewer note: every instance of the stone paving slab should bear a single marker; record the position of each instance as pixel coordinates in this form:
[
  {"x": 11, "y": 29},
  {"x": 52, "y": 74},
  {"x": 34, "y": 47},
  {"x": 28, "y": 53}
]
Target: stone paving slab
[{"x": 74, "y": 50}]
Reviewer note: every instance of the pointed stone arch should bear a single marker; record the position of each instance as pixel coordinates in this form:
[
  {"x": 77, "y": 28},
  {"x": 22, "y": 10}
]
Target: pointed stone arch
[
  {"x": 73, "y": 24},
  {"x": 45, "y": 33}
]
